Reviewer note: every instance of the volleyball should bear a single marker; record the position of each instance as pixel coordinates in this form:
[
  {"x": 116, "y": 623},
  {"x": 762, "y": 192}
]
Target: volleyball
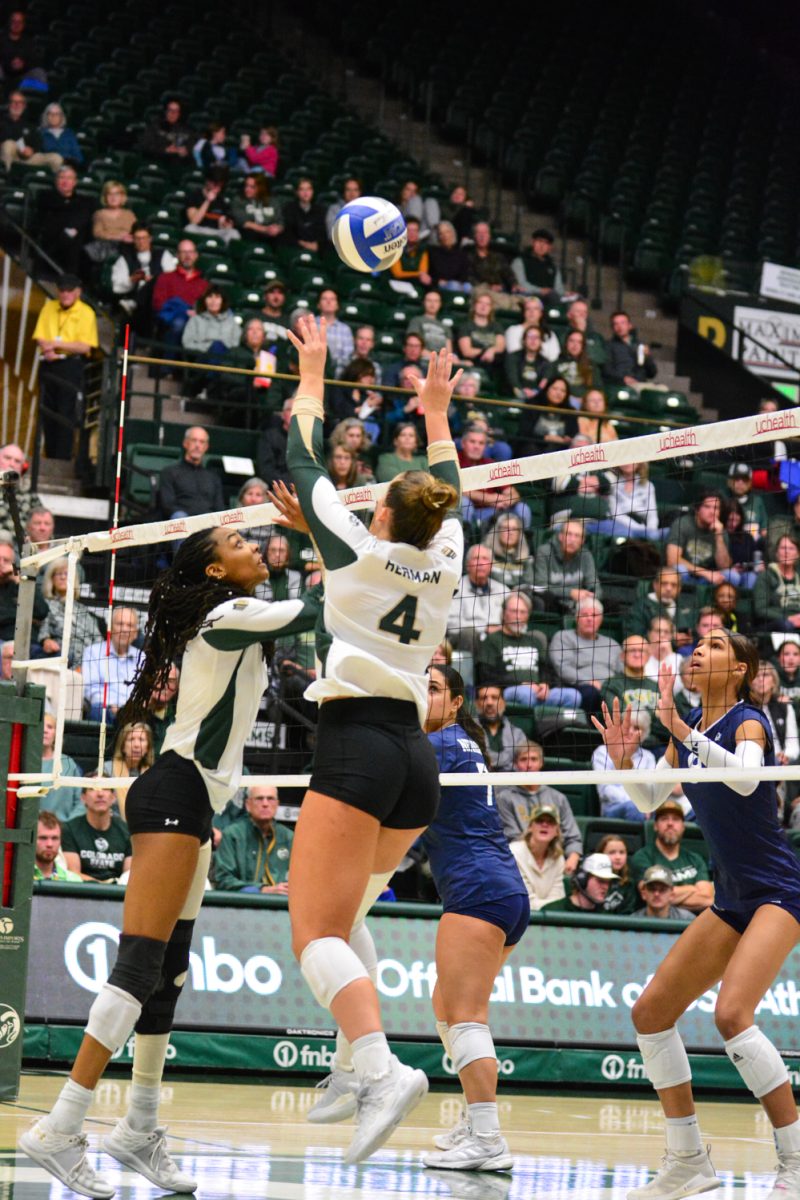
[{"x": 369, "y": 234}]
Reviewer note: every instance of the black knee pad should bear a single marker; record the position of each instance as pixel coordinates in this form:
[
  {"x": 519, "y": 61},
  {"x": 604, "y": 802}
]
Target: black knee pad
[
  {"x": 138, "y": 966},
  {"x": 158, "y": 1012}
]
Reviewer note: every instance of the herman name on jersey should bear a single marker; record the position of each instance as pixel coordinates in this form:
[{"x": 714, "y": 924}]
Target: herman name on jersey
[{"x": 412, "y": 573}]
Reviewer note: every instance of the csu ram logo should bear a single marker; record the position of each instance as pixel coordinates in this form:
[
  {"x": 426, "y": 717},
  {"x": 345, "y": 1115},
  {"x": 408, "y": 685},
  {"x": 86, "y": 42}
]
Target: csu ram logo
[{"x": 10, "y": 1025}]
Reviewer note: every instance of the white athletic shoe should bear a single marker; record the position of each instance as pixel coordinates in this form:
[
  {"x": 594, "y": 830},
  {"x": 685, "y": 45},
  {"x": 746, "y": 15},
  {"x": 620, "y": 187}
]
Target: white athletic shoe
[
  {"x": 337, "y": 1101},
  {"x": 446, "y": 1141},
  {"x": 679, "y": 1176},
  {"x": 383, "y": 1101},
  {"x": 787, "y": 1181},
  {"x": 64, "y": 1155},
  {"x": 475, "y": 1152},
  {"x": 468, "y": 1186},
  {"x": 146, "y": 1153}
]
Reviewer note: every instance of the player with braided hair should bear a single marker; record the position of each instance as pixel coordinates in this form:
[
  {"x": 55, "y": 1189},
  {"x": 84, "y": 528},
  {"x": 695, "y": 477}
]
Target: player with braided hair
[{"x": 202, "y": 609}]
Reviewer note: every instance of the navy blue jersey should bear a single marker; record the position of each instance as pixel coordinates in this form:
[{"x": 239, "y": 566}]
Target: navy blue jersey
[
  {"x": 468, "y": 852},
  {"x": 753, "y": 862}
]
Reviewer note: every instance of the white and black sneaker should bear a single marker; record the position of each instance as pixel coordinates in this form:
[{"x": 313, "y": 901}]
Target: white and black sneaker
[
  {"x": 64, "y": 1156},
  {"x": 383, "y": 1101},
  {"x": 146, "y": 1153},
  {"x": 337, "y": 1101}
]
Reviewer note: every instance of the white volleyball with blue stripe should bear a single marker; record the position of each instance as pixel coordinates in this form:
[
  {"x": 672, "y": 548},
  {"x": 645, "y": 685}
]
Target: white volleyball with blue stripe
[{"x": 369, "y": 234}]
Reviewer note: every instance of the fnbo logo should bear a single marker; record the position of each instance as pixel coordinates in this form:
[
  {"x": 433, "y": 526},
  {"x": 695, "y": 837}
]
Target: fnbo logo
[{"x": 90, "y": 948}]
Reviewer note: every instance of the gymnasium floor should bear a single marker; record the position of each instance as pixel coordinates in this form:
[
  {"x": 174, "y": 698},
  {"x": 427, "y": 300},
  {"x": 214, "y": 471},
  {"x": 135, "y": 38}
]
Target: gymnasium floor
[{"x": 243, "y": 1140}]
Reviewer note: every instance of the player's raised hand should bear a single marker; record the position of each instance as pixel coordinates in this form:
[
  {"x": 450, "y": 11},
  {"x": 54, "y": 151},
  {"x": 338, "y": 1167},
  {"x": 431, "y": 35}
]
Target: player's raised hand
[
  {"x": 287, "y": 504},
  {"x": 436, "y": 389},
  {"x": 311, "y": 346},
  {"x": 617, "y": 730},
  {"x": 665, "y": 711}
]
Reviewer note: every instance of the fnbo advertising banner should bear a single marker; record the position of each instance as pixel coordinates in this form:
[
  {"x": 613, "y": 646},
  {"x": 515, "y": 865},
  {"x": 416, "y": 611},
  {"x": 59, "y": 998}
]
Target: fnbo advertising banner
[{"x": 564, "y": 984}]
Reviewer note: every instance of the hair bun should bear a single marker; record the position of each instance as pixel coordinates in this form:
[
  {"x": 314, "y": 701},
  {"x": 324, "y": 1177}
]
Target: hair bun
[{"x": 437, "y": 495}]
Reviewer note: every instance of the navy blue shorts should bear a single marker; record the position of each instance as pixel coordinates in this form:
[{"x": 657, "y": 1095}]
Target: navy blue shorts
[
  {"x": 509, "y": 913},
  {"x": 740, "y": 920}
]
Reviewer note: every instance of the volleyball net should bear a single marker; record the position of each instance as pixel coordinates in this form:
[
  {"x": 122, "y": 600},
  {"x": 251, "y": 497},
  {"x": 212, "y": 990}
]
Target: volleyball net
[{"x": 572, "y": 593}]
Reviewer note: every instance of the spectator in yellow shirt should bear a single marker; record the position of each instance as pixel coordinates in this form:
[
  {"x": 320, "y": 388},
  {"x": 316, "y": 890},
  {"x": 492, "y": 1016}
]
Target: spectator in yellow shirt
[{"x": 66, "y": 334}]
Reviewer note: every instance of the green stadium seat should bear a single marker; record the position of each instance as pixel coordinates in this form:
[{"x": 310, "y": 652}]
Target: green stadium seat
[
  {"x": 632, "y": 833},
  {"x": 145, "y": 463}
]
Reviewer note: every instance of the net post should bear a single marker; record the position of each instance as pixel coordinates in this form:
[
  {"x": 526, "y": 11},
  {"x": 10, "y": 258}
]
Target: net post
[{"x": 21, "y": 716}]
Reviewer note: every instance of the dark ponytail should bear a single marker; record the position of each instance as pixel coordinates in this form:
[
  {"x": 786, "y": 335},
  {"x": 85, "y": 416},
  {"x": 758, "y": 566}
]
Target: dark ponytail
[
  {"x": 745, "y": 652},
  {"x": 455, "y": 686}
]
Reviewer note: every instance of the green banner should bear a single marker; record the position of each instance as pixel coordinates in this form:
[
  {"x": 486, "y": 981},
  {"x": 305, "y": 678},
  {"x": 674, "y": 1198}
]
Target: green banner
[
  {"x": 311, "y": 1058},
  {"x": 567, "y": 983}
]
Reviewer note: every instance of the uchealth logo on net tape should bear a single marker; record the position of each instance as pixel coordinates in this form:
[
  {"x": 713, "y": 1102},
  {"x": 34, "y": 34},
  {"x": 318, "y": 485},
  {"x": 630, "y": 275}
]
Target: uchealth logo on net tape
[{"x": 10, "y": 1025}]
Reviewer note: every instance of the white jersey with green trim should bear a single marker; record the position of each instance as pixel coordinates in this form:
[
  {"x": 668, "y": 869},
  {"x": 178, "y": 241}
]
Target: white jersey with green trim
[
  {"x": 223, "y": 677},
  {"x": 386, "y": 603}
]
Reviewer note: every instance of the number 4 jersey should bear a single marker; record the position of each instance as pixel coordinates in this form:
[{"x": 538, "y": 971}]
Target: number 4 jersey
[{"x": 386, "y": 603}]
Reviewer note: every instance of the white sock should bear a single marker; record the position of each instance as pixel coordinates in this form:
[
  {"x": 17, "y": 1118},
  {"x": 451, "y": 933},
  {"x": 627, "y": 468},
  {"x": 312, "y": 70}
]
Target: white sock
[
  {"x": 483, "y": 1119},
  {"x": 683, "y": 1135},
  {"x": 371, "y": 1055},
  {"x": 787, "y": 1138},
  {"x": 142, "y": 1114},
  {"x": 70, "y": 1109},
  {"x": 344, "y": 1053}
]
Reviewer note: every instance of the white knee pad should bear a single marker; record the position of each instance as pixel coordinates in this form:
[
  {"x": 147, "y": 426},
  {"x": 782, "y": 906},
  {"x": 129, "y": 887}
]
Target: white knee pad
[
  {"x": 665, "y": 1060},
  {"x": 112, "y": 1017},
  {"x": 757, "y": 1061},
  {"x": 328, "y": 965},
  {"x": 376, "y": 885},
  {"x": 469, "y": 1041},
  {"x": 361, "y": 941}
]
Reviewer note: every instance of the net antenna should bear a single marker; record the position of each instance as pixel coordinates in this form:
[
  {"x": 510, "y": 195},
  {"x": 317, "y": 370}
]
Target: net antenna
[{"x": 112, "y": 575}]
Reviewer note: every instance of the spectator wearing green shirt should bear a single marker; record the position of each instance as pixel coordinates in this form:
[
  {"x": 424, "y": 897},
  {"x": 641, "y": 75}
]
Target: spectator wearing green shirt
[
  {"x": 97, "y": 845},
  {"x": 514, "y": 658},
  {"x": 666, "y": 599},
  {"x": 776, "y": 595},
  {"x": 253, "y": 855},
  {"x": 48, "y": 864},
  {"x": 698, "y": 545},
  {"x": 753, "y": 508},
  {"x": 634, "y": 688},
  {"x": 692, "y": 883}
]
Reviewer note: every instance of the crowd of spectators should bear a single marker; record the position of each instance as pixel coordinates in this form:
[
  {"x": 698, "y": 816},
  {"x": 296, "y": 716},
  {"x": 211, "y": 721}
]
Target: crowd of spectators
[{"x": 534, "y": 624}]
